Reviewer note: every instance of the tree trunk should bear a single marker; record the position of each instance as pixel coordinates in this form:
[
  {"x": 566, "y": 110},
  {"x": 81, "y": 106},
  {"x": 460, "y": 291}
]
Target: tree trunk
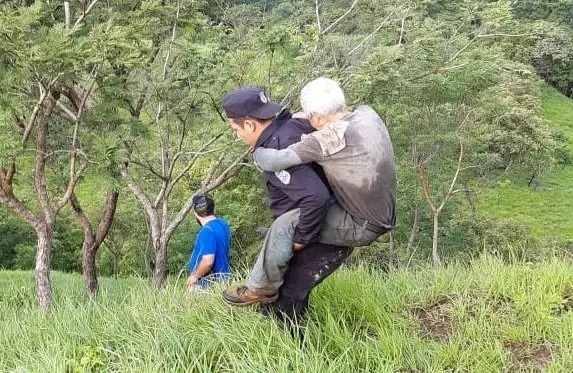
[
  {"x": 42, "y": 272},
  {"x": 89, "y": 250},
  {"x": 435, "y": 255},
  {"x": 93, "y": 240},
  {"x": 160, "y": 272}
]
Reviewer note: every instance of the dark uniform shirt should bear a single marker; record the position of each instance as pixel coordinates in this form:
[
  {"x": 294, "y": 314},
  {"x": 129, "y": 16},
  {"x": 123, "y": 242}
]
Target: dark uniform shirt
[{"x": 302, "y": 186}]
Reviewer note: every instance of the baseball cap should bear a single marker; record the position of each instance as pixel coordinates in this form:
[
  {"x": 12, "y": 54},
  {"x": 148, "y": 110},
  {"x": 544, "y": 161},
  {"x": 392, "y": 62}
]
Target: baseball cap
[{"x": 249, "y": 102}]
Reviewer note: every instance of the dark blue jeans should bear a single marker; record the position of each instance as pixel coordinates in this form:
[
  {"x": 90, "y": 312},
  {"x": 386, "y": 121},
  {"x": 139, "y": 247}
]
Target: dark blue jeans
[{"x": 307, "y": 269}]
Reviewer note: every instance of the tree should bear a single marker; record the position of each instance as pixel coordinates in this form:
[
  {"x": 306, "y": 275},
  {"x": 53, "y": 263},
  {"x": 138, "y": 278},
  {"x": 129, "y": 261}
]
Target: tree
[
  {"x": 52, "y": 69},
  {"x": 93, "y": 239}
]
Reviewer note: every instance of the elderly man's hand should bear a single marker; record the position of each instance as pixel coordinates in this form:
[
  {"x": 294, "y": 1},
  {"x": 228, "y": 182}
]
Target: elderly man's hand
[
  {"x": 297, "y": 246},
  {"x": 300, "y": 115}
]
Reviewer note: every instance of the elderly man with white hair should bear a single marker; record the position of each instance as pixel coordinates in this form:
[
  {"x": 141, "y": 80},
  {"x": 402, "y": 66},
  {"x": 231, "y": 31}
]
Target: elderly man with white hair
[{"x": 356, "y": 154}]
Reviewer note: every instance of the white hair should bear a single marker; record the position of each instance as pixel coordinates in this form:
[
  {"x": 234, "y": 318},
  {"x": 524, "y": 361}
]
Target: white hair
[{"x": 322, "y": 96}]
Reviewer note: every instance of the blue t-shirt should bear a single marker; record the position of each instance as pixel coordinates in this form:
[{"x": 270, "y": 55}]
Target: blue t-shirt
[{"x": 213, "y": 239}]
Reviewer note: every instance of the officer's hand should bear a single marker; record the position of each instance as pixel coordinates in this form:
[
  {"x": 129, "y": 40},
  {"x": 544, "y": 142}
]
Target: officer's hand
[{"x": 297, "y": 246}]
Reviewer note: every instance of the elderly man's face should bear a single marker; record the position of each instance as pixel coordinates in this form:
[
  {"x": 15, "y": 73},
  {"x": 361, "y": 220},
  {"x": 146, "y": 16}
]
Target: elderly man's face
[{"x": 316, "y": 120}]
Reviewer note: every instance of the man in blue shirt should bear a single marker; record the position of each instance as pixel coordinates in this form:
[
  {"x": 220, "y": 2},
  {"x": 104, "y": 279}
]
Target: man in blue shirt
[{"x": 210, "y": 258}]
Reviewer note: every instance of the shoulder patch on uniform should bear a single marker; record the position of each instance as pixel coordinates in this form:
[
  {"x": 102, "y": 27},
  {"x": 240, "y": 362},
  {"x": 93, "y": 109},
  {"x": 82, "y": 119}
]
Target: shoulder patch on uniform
[
  {"x": 283, "y": 176},
  {"x": 331, "y": 137}
]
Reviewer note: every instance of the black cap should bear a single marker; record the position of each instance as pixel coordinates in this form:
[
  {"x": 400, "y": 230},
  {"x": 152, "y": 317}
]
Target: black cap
[
  {"x": 249, "y": 102},
  {"x": 203, "y": 205}
]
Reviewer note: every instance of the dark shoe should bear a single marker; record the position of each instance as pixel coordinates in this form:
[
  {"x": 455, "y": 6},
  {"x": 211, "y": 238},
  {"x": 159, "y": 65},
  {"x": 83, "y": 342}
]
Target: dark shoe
[
  {"x": 243, "y": 296},
  {"x": 262, "y": 231}
]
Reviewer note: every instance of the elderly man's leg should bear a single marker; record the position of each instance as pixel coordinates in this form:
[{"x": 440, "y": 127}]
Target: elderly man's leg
[
  {"x": 341, "y": 229},
  {"x": 267, "y": 275},
  {"x": 307, "y": 269}
]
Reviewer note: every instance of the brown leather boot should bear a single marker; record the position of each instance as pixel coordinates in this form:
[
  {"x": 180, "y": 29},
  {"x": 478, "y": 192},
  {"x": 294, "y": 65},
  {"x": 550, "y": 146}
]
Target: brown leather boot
[{"x": 243, "y": 296}]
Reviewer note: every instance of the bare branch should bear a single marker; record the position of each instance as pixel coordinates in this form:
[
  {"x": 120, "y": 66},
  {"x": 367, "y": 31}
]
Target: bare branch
[
  {"x": 401, "y": 38},
  {"x": 67, "y": 111},
  {"x": 502, "y": 35},
  {"x": 40, "y": 166},
  {"x": 449, "y": 193},
  {"x": 147, "y": 167},
  {"x": 87, "y": 92},
  {"x": 426, "y": 187},
  {"x": 81, "y": 215},
  {"x": 107, "y": 216},
  {"x": 85, "y": 13},
  {"x": 211, "y": 172},
  {"x": 168, "y": 187},
  {"x": 340, "y": 18},
  {"x": 225, "y": 175},
  {"x": 71, "y": 186},
  {"x": 8, "y": 198},
  {"x": 317, "y": 16},
  {"x": 140, "y": 195},
  {"x": 372, "y": 34},
  {"x": 228, "y": 173},
  {"x": 67, "y": 13},
  {"x": 43, "y": 95},
  {"x": 463, "y": 191}
]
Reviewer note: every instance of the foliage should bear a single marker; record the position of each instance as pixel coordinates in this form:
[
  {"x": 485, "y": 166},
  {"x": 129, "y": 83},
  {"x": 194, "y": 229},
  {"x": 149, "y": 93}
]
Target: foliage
[
  {"x": 437, "y": 71},
  {"x": 544, "y": 206}
]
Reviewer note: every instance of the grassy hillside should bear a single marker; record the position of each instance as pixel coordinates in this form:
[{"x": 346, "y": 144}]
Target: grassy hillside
[
  {"x": 487, "y": 317},
  {"x": 547, "y": 209}
]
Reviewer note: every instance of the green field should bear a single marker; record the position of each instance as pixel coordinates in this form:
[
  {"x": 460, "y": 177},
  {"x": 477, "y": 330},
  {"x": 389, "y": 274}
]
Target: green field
[
  {"x": 488, "y": 317},
  {"x": 547, "y": 209}
]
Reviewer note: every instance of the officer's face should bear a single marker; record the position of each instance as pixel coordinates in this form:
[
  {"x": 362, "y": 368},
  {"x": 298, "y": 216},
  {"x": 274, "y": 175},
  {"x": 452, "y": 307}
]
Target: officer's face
[{"x": 249, "y": 131}]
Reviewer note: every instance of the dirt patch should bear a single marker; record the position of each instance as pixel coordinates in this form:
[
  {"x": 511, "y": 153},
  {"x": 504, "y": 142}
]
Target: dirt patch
[
  {"x": 435, "y": 320},
  {"x": 565, "y": 306},
  {"x": 501, "y": 304},
  {"x": 529, "y": 357}
]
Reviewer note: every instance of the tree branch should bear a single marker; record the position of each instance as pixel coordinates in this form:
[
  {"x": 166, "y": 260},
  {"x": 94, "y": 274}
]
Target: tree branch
[
  {"x": 402, "y": 27},
  {"x": 166, "y": 190},
  {"x": 317, "y": 16},
  {"x": 340, "y": 18},
  {"x": 40, "y": 166},
  {"x": 81, "y": 216},
  {"x": 75, "y": 177},
  {"x": 35, "y": 111},
  {"x": 140, "y": 195},
  {"x": 8, "y": 198},
  {"x": 85, "y": 13},
  {"x": 67, "y": 13},
  {"x": 426, "y": 187},
  {"x": 372, "y": 34},
  {"x": 107, "y": 217},
  {"x": 226, "y": 175},
  {"x": 449, "y": 193}
]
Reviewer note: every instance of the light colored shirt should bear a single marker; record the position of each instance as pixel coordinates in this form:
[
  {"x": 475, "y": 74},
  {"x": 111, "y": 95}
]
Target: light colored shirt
[{"x": 357, "y": 156}]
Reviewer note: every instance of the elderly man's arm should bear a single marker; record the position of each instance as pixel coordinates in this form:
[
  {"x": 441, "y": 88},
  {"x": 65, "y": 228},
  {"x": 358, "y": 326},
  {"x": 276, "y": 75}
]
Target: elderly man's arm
[
  {"x": 306, "y": 151},
  {"x": 275, "y": 160}
]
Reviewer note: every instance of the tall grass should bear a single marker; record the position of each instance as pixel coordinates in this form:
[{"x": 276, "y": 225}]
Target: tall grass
[{"x": 485, "y": 317}]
